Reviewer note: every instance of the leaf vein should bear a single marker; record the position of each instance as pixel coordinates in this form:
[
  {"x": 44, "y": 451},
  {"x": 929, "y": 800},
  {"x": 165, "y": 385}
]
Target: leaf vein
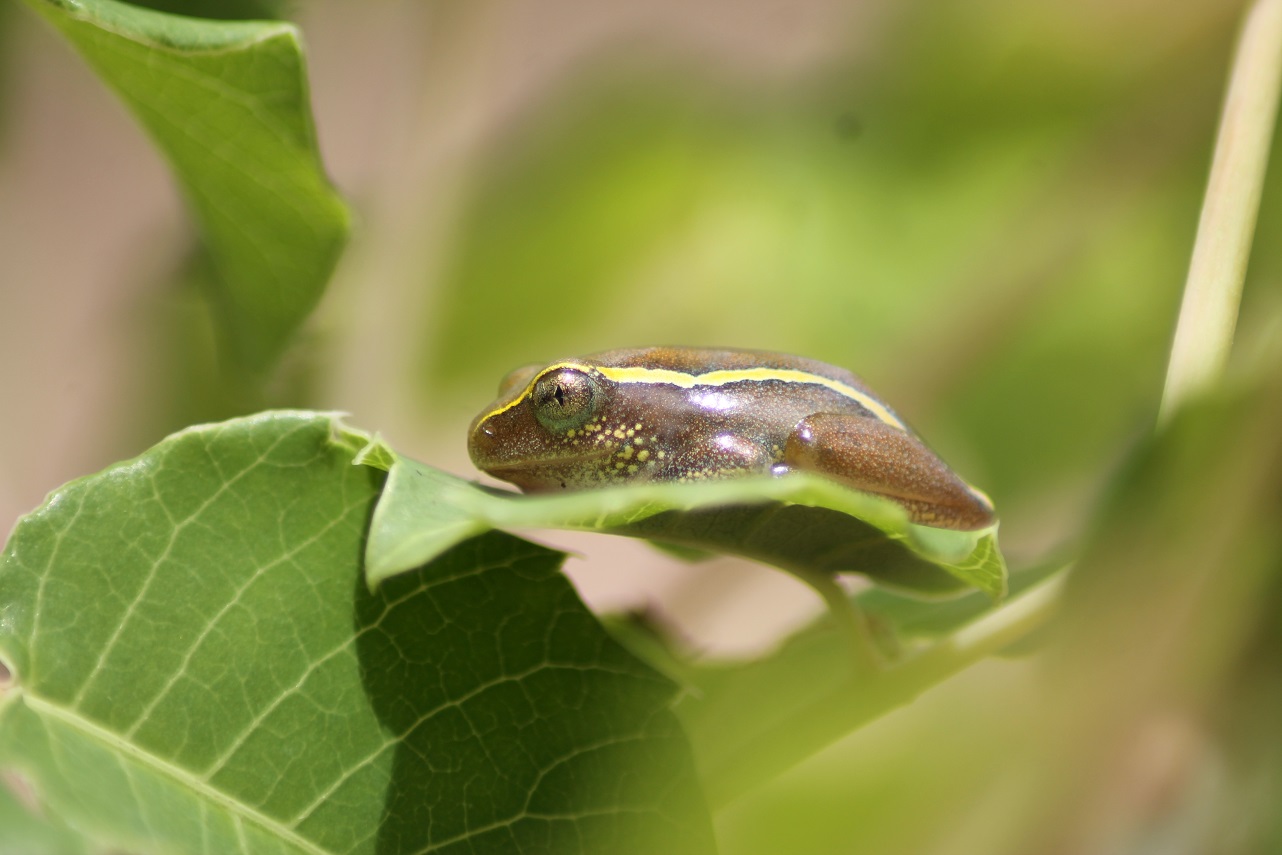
[
  {"x": 132, "y": 608},
  {"x": 121, "y": 747}
]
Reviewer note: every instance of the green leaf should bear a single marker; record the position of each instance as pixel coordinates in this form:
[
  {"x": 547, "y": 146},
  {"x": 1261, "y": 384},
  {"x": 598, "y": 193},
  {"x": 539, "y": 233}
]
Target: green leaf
[
  {"x": 24, "y": 832},
  {"x": 223, "y": 9},
  {"x": 907, "y": 618},
  {"x": 799, "y": 523},
  {"x": 227, "y": 103},
  {"x": 199, "y": 667}
]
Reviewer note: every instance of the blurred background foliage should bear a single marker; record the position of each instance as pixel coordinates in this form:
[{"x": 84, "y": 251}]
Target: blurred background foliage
[{"x": 984, "y": 208}]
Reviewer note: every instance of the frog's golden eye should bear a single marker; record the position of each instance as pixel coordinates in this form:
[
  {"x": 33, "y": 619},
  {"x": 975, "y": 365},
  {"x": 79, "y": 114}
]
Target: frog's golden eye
[
  {"x": 517, "y": 378},
  {"x": 565, "y": 399}
]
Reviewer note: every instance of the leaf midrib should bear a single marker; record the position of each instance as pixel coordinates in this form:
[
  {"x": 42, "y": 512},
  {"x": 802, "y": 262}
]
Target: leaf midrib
[{"x": 117, "y": 743}]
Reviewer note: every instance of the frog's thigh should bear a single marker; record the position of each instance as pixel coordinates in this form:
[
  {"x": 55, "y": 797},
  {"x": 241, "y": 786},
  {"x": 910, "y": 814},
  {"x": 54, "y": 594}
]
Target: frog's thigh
[{"x": 871, "y": 455}]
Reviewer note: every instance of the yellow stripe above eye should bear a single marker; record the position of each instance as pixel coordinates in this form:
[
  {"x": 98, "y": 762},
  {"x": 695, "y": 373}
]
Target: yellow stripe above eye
[
  {"x": 529, "y": 387},
  {"x": 636, "y": 374}
]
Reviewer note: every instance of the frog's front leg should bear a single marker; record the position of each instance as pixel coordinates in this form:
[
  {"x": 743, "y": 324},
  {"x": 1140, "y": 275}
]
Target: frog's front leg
[
  {"x": 876, "y": 457},
  {"x": 719, "y": 454}
]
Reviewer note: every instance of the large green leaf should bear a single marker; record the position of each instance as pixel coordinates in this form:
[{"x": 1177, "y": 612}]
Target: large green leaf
[
  {"x": 227, "y": 103},
  {"x": 198, "y": 666},
  {"x": 24, "y": 832},
  {"x": 801, "y": 523}
]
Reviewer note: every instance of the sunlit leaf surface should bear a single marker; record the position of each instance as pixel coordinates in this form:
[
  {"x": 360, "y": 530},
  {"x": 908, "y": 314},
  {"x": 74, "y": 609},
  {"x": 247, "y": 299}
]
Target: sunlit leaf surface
[
  {"x": 199, "y": 666},
  {"x": 798, "y": 523}
]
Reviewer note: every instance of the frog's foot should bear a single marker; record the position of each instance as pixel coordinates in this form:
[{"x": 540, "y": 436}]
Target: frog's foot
[{"x": 878, "y": 458}]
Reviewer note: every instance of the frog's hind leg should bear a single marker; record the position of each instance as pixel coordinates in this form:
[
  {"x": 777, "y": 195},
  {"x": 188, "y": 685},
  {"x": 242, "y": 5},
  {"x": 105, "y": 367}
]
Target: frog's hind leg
[{"x": 873, "y": 456}]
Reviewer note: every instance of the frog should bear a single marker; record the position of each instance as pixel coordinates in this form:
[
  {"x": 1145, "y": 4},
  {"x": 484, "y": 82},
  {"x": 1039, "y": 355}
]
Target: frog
[{"x": 682, "y": 414}]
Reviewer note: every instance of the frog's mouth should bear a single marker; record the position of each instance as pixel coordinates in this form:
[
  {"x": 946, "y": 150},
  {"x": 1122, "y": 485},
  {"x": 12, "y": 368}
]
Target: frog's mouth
[
  {"x": 568, "y": 471},
  {"x": 549, "y": 462},
  {"x": 518, "y": 452}
]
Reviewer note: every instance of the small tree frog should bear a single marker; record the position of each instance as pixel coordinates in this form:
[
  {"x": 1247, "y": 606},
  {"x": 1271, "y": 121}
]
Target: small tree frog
[{"x": 687, "y": 414}]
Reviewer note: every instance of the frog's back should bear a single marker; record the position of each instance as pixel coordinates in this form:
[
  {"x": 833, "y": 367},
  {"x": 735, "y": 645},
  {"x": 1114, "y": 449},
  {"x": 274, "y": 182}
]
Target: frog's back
[
  {"x": 790, "y": 382},
  {"x": 696, "y": 360}
]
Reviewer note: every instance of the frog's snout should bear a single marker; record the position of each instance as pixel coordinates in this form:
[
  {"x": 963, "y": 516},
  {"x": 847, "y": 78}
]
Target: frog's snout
[{"x": 482, "y": 440}]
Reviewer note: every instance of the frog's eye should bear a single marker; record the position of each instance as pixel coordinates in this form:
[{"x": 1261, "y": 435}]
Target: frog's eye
[
  {"x": 517, "y": 378},
  {"x": 565, "y": 399}
]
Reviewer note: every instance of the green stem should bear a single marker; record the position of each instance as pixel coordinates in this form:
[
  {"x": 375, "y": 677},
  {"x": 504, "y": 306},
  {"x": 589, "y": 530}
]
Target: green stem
[
  {"x": 856, "y": 703},
  {"x": 1213, "y": 290},
  {"x": 864, "y": 656}
]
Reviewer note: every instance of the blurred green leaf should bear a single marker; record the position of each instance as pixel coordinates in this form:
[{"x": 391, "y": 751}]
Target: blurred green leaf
[
  {"x": 227, "y": 10},
  {"x": 801, "y": 523},
  {"x": 1174, "y": 582},
  {"x": 198, "y": 666},
  {"x": 750, "y": 721},
  {"x": 23, "y": 832},
  {"x": 7, "y": 28},
  {"x": 1248, "y": 714},
  {"x": 227, "y": 103},
  {"x": 625, "y": 211},
  {"x": 559, "y": 222}
]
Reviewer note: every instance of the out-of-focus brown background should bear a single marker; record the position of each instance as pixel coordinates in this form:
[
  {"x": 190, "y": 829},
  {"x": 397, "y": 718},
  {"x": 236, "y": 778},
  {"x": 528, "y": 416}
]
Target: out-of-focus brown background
[{"x": 985, "y": 208}]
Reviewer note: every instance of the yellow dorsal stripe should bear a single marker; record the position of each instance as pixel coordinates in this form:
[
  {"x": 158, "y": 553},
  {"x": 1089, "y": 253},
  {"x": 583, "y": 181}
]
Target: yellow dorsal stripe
[
  {"x": 758, "y": 375},
  {"x": 637, "y": 374}
]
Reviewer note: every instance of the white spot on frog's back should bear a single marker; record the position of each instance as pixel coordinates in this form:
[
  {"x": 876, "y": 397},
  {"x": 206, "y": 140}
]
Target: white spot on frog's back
[
  {"x": 728, "y": 442},
  {"x": 743, "y": 449},
  {"x": 719, "y": 402}
]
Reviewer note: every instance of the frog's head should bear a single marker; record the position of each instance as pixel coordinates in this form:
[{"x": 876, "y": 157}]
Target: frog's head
[{"x": 536, "y": 434}]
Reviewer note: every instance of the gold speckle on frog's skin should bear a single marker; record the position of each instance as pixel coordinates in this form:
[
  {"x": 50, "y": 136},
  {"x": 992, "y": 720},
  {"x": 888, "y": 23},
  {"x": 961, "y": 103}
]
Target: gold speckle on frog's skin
[{"x": 684, "y": 414}]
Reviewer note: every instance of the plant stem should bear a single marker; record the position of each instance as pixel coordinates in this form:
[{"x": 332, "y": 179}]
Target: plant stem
[
  {"x": 849, "y": 616},
  {"x": 1213, "y": 290},
  {"x": 856, "y": 703}
]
